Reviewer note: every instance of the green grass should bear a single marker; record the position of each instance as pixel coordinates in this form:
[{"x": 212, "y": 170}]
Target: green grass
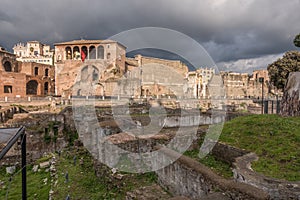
[
  {"x": 275, "y": 139},
  {"x": 84, "y": 184},
  {"x": 36, "y": 189},
  {"x": 218, "y": 166}
]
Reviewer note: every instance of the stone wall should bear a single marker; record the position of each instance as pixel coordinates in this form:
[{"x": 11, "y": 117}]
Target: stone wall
[
  {"x": 190, "y": 178},
  {"x": 8, "y": 113},
  {"x": 191, "y": 120},
  {"x": 290, "y": 104},
  {"x": 46, "y": 133},
  {"x": 227, "y": 153},
  {"x": 277, "y": 189}
]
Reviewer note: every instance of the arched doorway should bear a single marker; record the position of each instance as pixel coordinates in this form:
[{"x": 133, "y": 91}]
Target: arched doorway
[
  {"x": 7, "y": 66},
  {"x": 46, "y": 72},
  {"x": 68, "y": 53},
  {"x": 46, "y": 88},
  {"x": 36, "y": 71},
  {"x": 79, "y": 92},
  {"x": 84, "y": 53},
  {"x": 76, "y": 53},
  {"x": 31, "y": 87},
  {"x": 92, "y": 52},
  {"x": 100, "y": 52}
]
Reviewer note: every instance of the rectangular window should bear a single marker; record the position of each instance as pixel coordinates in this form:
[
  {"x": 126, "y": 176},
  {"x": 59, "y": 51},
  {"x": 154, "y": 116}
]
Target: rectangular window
[
  {"x": 7, "y": 89},
  {"x": 36, "y": 71}
]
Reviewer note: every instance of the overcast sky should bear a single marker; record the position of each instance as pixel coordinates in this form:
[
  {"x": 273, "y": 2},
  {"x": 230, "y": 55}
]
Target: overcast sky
[{"x": 240, "y": 35}]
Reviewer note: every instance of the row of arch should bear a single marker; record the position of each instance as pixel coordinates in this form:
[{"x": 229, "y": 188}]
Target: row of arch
[
  {"x": 8, "y": 68},
  {"x": 32, "y": 88},
  {"x": 36, "y": 71},
  {"x": 85, "y": 52}
]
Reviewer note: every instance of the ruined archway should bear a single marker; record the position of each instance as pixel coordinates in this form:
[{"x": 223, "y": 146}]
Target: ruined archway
[
  {"x": 84, "y": 74},
  {"x": 32, "y": 87},
  {"x": 7, "y": 66},
  {"x": 95, "y": 74}
]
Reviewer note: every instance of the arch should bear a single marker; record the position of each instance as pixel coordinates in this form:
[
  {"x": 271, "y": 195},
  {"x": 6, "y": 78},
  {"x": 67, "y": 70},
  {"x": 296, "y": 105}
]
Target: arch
[
  {"x": 79, "y": 92},
  {"x": 95, "y": 74},
  {"x": 46, "y": 72},
  {"x": 68, "y": 53},
  {"x": 84, "y": 53},
  {"x": 84, "y": 74},
  {"x": 92, "y": 52},
  {"x": 7, "y": 66},
  {"x": 76, "y": 53},
  {"x": 100, "y": 52},
  {"x": 46, "y": 88},
  {"x": 31, "y": 87},
  {"x": 36, "y": 71}
]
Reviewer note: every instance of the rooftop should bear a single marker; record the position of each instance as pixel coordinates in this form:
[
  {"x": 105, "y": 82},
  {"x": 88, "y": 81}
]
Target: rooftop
[{"x": 84, "y": 42}]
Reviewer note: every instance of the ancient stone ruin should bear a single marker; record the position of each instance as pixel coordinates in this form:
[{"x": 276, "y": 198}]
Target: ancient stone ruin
[{"x": 290, "y": 104}]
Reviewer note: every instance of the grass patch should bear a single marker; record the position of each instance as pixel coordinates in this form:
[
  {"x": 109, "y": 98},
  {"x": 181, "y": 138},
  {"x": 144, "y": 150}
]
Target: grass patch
[
  {"x": 84, "y": 184},
  {"x": 216, "y": 165},
  {"x": 275, "y": 139},
  {"x": 36, "y": 189}
]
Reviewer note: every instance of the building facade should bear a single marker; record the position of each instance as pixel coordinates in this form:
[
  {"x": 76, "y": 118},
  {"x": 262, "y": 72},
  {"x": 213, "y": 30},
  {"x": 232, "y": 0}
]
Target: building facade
[
  {"x": 243, "y": 85},
  {"x": 34, "y": 51},
  {"x": 198, "y": 82},
  {"x": 18, "y": 79},
  {"x": 105, "y": 57},
  {"x": 152, "y": 77}
]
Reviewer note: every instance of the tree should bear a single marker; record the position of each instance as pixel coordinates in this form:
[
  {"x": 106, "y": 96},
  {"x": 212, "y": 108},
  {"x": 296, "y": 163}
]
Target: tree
[
  {"x": 297, "y": 40},
  {"x": 280, "y": 69}
]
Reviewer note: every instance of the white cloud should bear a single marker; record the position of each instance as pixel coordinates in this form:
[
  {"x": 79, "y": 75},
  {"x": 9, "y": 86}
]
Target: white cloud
[
  {"x": 228, "y": 29},
  {"x": 249, "y": 65}
]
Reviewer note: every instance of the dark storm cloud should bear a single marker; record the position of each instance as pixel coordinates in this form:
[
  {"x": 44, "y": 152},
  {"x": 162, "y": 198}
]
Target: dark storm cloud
[{"x": 228, "y": 29}]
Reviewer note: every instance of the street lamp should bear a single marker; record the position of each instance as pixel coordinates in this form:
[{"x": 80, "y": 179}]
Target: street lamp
[
  {"x": 261, "y": 80},
  {"x": 277, "y": 103}
]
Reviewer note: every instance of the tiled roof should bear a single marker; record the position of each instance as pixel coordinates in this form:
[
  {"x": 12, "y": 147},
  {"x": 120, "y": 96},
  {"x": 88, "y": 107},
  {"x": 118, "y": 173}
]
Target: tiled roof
[{"x": 84, "y": 42}]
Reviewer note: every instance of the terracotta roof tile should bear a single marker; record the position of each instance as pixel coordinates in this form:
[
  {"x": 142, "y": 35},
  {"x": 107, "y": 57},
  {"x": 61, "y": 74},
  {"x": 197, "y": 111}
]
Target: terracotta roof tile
[{"x": 84, "y": 42}]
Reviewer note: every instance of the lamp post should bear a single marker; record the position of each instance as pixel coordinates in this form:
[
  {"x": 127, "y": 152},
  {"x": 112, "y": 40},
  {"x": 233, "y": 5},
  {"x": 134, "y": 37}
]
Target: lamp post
[
  {"x": 277, "y": 104},
  {"x": 261, "y": 80}
]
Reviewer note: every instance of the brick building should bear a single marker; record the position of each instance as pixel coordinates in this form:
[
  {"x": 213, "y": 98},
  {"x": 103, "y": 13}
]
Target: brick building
[
  {"x": 19, "y": 79},
  {"x": 105, "y": 59}
]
